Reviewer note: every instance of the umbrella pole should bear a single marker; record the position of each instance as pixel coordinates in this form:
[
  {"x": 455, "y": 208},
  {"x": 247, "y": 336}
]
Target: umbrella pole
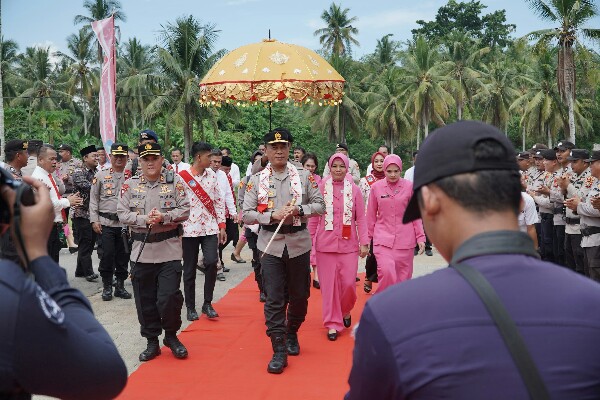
[{"x": 270, "y": 116}]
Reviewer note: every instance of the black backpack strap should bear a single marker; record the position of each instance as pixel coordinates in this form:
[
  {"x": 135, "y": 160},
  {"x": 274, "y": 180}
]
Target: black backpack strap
[{"x": 508, "y": 330}]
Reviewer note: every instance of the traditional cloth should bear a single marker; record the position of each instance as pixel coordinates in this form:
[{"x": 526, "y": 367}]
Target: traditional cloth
[
  {"x": 348, "y": 199},
  {"x": 265, "y": 177}
]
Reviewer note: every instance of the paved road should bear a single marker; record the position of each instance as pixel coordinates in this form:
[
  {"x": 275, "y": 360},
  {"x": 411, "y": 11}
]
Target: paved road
[{"x": 120, "y": 319}]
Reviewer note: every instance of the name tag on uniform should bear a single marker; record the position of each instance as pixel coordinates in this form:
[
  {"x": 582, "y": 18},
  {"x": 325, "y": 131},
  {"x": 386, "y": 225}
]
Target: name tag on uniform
[{"x": 385, "y": 196}]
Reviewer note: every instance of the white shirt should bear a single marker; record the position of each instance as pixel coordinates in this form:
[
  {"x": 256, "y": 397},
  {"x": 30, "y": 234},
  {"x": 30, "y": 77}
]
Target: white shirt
[
  {"x": 409, "y": 175},
  {"x": 106, "y": 165},
  {"x": 249, "y": 169},
  {"x": 528, "y": 215},
  {"x": 369, "y": 169},
  {"x": 182, "y": 166},
  {"x": 226, "y": 193},
  {"x": 201, "y": 222},
  {"x": 235, "y": 174},
  {"x": 57, "y": 203}
]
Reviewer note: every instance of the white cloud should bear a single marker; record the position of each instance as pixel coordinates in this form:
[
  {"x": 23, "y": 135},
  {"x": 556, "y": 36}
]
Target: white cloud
[{"x": 52, "y": 50}]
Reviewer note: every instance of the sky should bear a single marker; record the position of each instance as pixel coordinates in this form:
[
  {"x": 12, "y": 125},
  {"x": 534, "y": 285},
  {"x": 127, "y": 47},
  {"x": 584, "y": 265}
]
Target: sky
[{"x": 49, "y": 22}]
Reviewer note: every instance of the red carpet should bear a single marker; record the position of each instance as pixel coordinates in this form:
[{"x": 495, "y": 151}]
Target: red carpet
[{"x": 228, "y": 357}]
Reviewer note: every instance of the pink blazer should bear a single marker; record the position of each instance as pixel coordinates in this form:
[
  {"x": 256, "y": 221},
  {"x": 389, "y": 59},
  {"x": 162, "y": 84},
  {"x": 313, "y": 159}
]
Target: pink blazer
[
  {"x": 384, "y": 216},
  {"x": 332, "y": 241},
  {"x": 313, "y": 222}
]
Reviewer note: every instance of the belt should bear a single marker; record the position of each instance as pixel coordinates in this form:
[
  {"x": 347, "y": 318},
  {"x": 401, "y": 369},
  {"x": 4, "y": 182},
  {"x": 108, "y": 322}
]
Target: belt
[
  {"x": 111, "y": 216},
  {"x": 157, "y": 237},
  {"x": 572, "y": 221},
  {"x": 590, "y": 230},
  {"x": 558, "y": 210},
  {"x": 284, "y": 228}
]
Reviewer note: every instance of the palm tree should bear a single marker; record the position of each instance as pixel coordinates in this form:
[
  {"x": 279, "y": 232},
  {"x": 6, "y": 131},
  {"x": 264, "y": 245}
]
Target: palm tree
[
  {"x": 423, "y": 86},
  {"x": 136, "y": 70},
  {"x": 41, "y": 91},
  {"x": 187, "y": 53},
  {"x": 338, "y": 35},
  {"x": 498, "y": 93},
  {"x": 100, "y": 9},
  {"x": 463, "y": 59},
  {"x": 570, "y": 16},
  {"x": 385, "y": 113},
  {"x": 387, "y": 51},
  {"x": 81, "y": 76}
]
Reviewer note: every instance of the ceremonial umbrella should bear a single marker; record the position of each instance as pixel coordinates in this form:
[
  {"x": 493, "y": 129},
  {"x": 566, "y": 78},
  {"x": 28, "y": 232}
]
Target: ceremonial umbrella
[{"x": 271, "y": 71}]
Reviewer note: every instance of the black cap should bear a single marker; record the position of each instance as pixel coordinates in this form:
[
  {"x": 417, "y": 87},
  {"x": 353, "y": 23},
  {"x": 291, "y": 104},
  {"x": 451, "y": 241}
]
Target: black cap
[
  {"x": 149, "y": 149},
  {"x": 341, "y": 146},
  {"x": 524, "y": 155},
  {"x": 87, "y": 150},
  {"x": 278, "y": 135},
  {"x": 65, "y": 146},
  {"x": 595, "y": 156},
  {"x": 15, "y": 145},
  {"x": 448, "y": 151},
  {"x": 548, "y": 154},
  {"x": 35, "y": 144},
  {"x": 537, "y": 146},
  {"x": 578, "y": 154},
  {"x": 118, "y": 149},
  {"x": 564, "y": 145},
  {"x": 538, "y": 154},
  {"x": 148, "y": 134}
]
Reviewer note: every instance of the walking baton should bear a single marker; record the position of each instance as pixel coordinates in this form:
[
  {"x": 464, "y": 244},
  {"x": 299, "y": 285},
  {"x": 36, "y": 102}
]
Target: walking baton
[
  {"x": 140, "y": 253},
  {"x": 276, "y": 230}
]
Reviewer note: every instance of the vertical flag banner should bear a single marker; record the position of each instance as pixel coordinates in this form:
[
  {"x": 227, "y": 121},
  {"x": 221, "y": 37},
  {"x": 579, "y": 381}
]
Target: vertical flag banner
[{"x": 105, "y": 32}]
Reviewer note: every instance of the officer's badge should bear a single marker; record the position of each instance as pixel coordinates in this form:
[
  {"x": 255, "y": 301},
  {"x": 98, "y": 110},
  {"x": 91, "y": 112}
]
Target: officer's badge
[
  {"x": 51, "y": 310},
  {"x": 162, "y": 178},
  {"x": 589, "y": 181},
  {"x": 249, "y": 186},
  {"x": 180, "y": 189},
  {"x": 241, "y": 185},
  {"x": 124, "y": 188},
  {"x": 109, "y": 192},
  {"x": 277, "y": 136},
  {"x": 94, "y": 181},
  {"x": 270, "y": 204},
  {"x": 148, "y": 146},
  {"x": 108, "y": 177}
]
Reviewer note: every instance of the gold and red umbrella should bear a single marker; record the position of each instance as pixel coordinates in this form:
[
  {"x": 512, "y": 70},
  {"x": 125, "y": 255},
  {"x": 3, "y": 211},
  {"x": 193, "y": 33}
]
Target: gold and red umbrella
[{"x": 271, "y": 71}]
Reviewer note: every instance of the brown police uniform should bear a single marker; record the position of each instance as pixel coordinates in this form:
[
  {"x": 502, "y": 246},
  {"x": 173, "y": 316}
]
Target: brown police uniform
[{"x": 157, "y": 275}]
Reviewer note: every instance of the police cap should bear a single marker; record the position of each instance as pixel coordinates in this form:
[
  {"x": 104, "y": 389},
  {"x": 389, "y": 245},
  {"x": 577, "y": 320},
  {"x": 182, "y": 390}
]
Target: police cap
[
  {"x": 149, "y": 149},
  {"x": 578, "y": 154},
  {"x": 278, "y": 135},
  {"x": 118, "y": 149}
]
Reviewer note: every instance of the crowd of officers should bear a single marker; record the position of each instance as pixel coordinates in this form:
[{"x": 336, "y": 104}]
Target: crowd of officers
[{"x": 564, "y": 182}]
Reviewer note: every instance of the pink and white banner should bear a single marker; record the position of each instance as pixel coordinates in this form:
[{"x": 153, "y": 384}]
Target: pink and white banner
[{"x": 105, "y": 31}]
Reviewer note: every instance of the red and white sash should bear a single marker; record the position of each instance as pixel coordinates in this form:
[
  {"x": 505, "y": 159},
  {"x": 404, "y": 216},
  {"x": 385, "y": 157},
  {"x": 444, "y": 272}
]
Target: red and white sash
[{"x": 199, "y": 192}]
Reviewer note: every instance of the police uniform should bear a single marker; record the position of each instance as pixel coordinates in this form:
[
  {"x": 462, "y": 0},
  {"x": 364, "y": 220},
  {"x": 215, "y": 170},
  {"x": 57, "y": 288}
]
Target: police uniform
[
  {"x": 106, "y": 188},
  {"x": 579, "y": 186},
  {"x": 286, "y": 263},
  {"x": 157, "y": 274},
  {"x": 65, "y": 172},
  {"x": 252, "y": 238},
  {"x": 50, "y": 342},
  {"x": 86, "y": 237},
  {"x": 590, "y": 225},
  {"x": 546, "y": 209}
]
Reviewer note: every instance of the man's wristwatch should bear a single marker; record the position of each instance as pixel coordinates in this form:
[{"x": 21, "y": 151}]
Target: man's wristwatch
[{"x": 300, "y": 211}]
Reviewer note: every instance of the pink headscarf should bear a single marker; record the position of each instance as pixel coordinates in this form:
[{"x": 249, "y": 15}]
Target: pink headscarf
[
  {"x": 346, "y": 162},
  {"x": 389, "y": 160}
]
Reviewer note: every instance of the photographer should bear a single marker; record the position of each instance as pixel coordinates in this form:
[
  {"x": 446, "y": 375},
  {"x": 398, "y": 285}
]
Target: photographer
[{"x": 51, "y": 344}]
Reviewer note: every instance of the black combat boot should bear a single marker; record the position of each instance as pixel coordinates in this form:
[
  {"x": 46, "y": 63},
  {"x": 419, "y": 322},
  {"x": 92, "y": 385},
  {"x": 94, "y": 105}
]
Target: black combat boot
[
  {"x": 120, "y": 290},
  {"x": 279, "y": 360},
  {"x": 172, "y": 342},
  {"x": 107, "y": 292},
  {"x": 291, "y": 343},
  {"x": 152, "y": 350}
]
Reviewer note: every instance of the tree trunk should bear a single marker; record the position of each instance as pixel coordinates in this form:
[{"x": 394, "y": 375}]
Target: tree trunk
[
  {"x": 186, "y": 129},
  {"x": 343, "y": 126},
  {"x": 549, "y": 137},
  {"x": 459, "y": 110},
  {"x": 418, "y": 136},
  {"x": 523, "y": 137},
  {"x": 571, "y": 119}
]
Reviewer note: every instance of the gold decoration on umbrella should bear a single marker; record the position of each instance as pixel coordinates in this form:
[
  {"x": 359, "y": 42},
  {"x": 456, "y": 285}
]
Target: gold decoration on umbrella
[{"x": 271, "y": 71}]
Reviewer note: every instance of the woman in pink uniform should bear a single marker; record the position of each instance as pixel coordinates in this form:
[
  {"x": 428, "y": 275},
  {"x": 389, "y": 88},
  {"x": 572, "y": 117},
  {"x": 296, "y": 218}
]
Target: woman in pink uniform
[
  {"x": 341, "y": 238},
  {"x": 311, "y": 164},
  {"x": 393, "y": 242}
]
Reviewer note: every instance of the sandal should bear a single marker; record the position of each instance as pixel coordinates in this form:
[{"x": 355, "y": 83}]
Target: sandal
[{"x": 368, "y": 286}]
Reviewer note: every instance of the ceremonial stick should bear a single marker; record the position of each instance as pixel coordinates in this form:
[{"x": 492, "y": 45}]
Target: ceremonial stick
[{"x": 276, "y": 230}]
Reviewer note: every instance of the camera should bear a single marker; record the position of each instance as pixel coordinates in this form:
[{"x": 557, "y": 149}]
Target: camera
[{"x": 24, "y": 194}]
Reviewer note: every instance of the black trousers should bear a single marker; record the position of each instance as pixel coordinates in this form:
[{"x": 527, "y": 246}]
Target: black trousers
[
  {"x": 574, "y": 253},
  {"x": 252, "y": 239},
  {"x": 114, "y": 259},
  {"x": 86, "y": 239},
  {"x": 592, "y": 262},
  {"x": 558, "y": 242},
  {"x": 538, "y": 231},
  {"x": 54, "y": 242},
  {"x": 371, "y": 265},
  {"x": 158, "y": 299},
  {"x": 191, "y": 249},
  {"x": 546, "y": 232},
  {"x": 278, "y": 274},
  {"x": 233, "y": 235}
]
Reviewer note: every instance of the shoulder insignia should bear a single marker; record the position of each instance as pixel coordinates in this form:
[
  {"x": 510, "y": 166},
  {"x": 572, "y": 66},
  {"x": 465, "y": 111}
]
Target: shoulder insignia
[
  {"x": 94, "y": 181},
  {"x": 241, "y": 185},
  {"x": 124, "y": 188},
  {"x": 162, "y": 178},
  {"x": 51, "y": 310}
]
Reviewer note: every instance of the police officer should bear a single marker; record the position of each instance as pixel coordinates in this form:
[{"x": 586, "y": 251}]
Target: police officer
[
  {"x": 68, "y": 165},
  {"x": 540, "y": 193},
  {"x": 154, "y": 205},
  {"x": 106, "y": 187},
  {"x": 282, "y": 192},
  {"x": 86, "y": 237},
  {"x": 146, "y": 136},
  {"x": 577, "y": 183},
  {"x": 51, "y": 343}
]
